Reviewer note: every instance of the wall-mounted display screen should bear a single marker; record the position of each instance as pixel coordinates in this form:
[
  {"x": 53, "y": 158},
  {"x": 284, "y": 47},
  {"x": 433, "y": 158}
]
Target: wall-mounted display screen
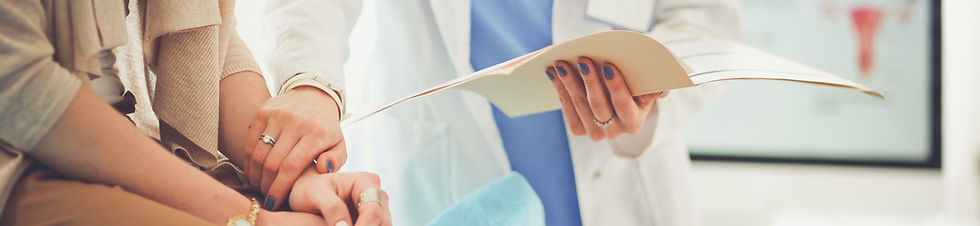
[{"x": 888, "y": 45}]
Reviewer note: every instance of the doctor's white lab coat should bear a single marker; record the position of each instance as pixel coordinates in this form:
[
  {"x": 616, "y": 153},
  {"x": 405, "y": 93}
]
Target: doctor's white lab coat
[{"x": 434, "y": 151}]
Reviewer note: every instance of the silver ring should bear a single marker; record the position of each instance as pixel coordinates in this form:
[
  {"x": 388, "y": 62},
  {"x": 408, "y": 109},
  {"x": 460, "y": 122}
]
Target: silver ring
[
  {"x": 265, "y": 138},
  {"x": 371, "y": 195},
  {"x": 601, "y": 123}
]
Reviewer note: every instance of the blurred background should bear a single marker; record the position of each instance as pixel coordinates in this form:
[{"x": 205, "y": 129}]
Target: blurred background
[{"x": 817, "y": 155}]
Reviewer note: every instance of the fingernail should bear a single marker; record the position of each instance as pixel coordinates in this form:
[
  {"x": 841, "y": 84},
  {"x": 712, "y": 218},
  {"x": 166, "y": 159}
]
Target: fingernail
[
  {"x": 342, "y": 223},
  {"x": 550, "y": 76},
  {"x": 270, "y": 203},
  {"x": 584, "y": 68},
  {"x": 329, "y": 167},
  {"x": 608, "y": 72},
  {"x": 561, "y": 70}
]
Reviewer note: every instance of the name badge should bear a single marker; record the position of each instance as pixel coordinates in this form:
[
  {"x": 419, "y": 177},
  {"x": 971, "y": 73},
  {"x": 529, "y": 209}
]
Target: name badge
[{"x": 636, "y": 15}]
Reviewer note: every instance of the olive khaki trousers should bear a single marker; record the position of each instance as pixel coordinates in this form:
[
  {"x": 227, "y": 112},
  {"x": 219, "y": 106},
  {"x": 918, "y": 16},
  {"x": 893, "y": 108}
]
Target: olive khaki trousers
[{"x": 44, "y": 197}]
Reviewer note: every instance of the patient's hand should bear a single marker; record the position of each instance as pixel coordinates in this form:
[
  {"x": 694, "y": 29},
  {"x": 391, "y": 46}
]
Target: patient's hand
[
  {"x": 596, "y": 101},
  {"x": 337, "y": 197},
  {"x": 288, "y": 218},
  {"x": 305, "y": 124}
]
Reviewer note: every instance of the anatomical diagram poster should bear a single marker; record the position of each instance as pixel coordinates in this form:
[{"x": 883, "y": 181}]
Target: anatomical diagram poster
[{"x": 886, "y": 45}]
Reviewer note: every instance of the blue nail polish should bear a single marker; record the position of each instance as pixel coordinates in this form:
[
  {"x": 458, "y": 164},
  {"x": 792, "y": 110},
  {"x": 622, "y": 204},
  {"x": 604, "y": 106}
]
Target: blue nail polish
[
  {"x": 329, "y": 167},
  {"x": 561, "y": 70},
  {"x": 584, "y": 68},
  {"x": 550, "y": 76},
  {"x": 608, "y": 72},
  {"x": 270, "y": 203}
]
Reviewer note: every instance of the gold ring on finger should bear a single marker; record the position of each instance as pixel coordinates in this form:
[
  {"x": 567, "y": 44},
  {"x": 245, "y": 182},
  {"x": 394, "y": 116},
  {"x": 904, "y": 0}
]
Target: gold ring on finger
[
  {"x": 602, "y": 123},
  {"x": 371, "y": 195}
]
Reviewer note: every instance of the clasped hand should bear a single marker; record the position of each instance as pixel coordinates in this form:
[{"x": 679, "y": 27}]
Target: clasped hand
[
  {"x": 336, "y": 197},
  {"x": 287, "y": 133}
]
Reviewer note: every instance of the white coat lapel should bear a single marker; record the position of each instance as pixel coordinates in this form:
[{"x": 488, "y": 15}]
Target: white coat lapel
[{"x": 453, "y": 19}]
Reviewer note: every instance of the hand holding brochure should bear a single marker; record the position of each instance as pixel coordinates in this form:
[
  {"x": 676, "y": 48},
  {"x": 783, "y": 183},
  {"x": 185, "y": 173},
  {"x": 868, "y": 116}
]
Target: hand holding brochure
[{"x": 667, "y": 60}]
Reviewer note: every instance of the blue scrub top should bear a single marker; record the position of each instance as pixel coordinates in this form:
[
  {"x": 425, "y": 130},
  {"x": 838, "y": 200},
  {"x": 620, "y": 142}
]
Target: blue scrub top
[{"x": 536, "y": 145}]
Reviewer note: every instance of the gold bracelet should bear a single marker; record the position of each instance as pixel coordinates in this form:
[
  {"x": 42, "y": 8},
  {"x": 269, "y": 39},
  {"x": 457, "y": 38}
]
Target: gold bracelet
[{"x": 246, "y": 220}]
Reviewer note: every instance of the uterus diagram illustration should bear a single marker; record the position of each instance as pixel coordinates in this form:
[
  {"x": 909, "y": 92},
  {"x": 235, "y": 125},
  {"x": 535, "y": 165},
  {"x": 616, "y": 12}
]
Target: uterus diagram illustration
[{"x": 866, "y": 19}]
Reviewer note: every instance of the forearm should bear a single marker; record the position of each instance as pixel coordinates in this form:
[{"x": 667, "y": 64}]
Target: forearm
[
  {"x": 312, "y": 36},
  {"x": 242, "y": 94},
  {"x": 714, "y": 17},
  {"x": 92, "y": 142}
]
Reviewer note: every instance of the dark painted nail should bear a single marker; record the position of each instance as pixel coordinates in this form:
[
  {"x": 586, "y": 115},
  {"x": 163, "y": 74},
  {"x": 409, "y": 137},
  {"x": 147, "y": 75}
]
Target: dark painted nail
[
  {"x": 608, "y": 72},
  {"x": 270, "y": 203},
  {"x": 329, "y": 167},
  {"x": 584, "y": 68},
  {"x": 561, "y": 70},
  {"x": 550, "y": 76}
]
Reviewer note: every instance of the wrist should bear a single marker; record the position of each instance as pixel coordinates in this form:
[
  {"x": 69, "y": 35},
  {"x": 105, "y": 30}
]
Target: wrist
[
  {"x": 319, "y": 98},
  {"x": 248, "y": 219},
  {"x": 315, "y": 80},
  {"x": 264, "y": 217},
  {"x": 296, "y": 194},
  {"x": 307, "y": 173}
]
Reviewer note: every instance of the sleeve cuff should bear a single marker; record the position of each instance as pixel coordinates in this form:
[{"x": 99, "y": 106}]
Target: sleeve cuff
[
  {"x": 232, "y": 69},
  {"x": 314, "y": 80}
]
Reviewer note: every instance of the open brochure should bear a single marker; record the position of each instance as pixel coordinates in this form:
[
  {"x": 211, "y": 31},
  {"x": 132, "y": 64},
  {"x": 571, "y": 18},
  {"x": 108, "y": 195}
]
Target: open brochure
[{"x": 667, "y": 60}]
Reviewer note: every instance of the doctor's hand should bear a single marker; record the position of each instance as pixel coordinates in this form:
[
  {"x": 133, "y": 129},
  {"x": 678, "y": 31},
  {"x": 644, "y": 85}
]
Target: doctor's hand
[
  {"x": 338, "y": 197},
  {"x": 596, "y": 101},
  {"x": 287, "y": 133}
]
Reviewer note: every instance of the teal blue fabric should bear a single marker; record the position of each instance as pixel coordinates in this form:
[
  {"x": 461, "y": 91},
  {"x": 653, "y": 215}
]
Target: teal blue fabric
[{"x": 508, "y": 201}]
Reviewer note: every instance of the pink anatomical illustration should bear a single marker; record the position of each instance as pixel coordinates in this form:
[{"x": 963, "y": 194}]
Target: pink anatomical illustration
[{"x": 866, "y": 18}]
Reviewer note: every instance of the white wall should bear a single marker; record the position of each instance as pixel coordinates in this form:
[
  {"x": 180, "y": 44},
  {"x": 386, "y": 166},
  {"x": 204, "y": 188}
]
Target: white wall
[
  {"x": 781, "y": 194},
  {"x": 961, "y": 37}
]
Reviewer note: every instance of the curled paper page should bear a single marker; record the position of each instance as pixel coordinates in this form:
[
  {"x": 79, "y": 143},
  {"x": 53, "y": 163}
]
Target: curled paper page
[{"x": 667, "y": 60}]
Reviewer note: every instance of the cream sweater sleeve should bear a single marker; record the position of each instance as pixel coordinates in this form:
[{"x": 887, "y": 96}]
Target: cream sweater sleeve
[{"x": 239, "y": 58}]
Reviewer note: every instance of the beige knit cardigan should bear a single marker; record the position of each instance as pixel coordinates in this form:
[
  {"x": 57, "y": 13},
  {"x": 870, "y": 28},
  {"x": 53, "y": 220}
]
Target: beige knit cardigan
[{"x": 48, "y": 48}]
